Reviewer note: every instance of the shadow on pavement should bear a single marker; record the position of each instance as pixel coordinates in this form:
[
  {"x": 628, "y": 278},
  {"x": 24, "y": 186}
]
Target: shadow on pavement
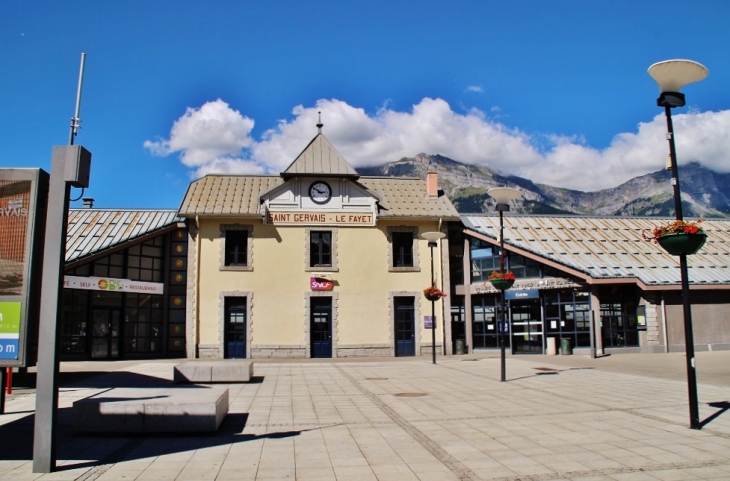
[
  {"x": 16, "y": 441},
  {"x": 723, "y": 406},
  {"x": 94, "y": 379}
]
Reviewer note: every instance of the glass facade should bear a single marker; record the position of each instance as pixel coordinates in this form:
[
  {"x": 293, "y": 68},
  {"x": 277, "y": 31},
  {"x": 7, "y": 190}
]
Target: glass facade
[
  {"x": 74, "y": 319},
  {"x": 568, "y": 315},
  {"x": 484, "y": 260},
  {"x": 619, "y": 326},
  {"x": 143, "y": 323},
  {"x": 104, "y": 324},
  {"x": 560, "y": 313},
  {"x": 485, "y": 310}
]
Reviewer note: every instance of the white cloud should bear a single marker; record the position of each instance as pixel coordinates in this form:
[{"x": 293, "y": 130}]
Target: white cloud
[
  {"x": 475, "y": 88},
  {"x": 216, "y": 138},
  {"x": 209, "y": 137}
]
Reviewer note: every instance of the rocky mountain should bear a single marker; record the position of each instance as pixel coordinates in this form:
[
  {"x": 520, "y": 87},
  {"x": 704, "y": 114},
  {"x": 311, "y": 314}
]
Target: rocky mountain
[{"x": 705, "y": 193}]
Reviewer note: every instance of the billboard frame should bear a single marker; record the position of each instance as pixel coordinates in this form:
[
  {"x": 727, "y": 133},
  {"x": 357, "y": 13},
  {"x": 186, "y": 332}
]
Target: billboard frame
[{"x": 29, "y": 297}]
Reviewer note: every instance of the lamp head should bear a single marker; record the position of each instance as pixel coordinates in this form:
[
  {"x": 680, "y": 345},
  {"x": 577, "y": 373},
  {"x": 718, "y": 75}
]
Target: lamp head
[
  {"x": 672, "y": 75},
  {"x": 432, "y": 237},
  {"x": 503, "y": 195}
]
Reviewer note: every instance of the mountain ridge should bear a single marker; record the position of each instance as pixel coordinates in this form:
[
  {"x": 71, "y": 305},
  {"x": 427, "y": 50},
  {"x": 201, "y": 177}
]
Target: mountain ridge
[{"x": 705, "y": 193}]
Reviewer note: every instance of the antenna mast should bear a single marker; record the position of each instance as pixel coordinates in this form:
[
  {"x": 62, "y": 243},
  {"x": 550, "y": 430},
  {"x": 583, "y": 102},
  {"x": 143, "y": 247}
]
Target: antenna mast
[{"x": 76, "y": 120}]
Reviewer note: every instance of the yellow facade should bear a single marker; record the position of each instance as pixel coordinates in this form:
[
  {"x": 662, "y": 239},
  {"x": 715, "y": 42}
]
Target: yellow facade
[
  {"x": 316, "y": 262},
  {"x": 278, "y": 284}
]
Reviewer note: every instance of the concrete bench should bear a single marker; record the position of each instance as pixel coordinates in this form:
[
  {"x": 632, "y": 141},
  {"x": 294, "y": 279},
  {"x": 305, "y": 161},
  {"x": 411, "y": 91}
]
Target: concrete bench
[
  {"x": 136, "y": 410},
  {"x": 206, "y": 372}
]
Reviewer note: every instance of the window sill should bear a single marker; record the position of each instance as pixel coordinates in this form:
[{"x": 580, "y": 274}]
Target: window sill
[
  {"x": 404, "y": 269},
  {"x": 235, "y": 268},
  {"x": 321, "y": 269}
]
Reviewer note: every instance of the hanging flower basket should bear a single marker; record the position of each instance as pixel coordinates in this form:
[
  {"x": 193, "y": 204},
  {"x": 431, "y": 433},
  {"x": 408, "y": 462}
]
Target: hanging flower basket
[
  {"x": 433, "y": 294},
  {"x": 676, "y": 244},
  {"x": 679, "y": 237},
  {"x": 501, "y": 280}
]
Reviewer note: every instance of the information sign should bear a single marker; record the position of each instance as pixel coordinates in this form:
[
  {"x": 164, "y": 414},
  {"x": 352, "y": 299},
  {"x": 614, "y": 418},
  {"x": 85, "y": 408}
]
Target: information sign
[{"x": 9, "y": 329}]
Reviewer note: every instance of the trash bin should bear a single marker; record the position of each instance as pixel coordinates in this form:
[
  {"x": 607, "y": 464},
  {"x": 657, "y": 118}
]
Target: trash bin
[
  {"x": 460, "y": 346},
  {"x": 565, "y": 347}
]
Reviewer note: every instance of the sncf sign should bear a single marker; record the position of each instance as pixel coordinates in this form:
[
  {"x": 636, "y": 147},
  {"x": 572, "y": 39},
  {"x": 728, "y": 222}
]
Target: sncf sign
[{"x": 320, "y": 284}]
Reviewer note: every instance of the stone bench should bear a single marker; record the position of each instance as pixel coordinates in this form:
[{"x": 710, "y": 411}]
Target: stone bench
[
  {"x": 139, "y": 410},
  {"x": 207, "y": 372}
]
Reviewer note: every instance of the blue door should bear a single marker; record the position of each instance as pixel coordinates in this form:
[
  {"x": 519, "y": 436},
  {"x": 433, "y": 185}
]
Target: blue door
[
  {"x": 405, "y": 344},
  {"x": 235, "y": 328},
  {"x": 321, "y": 326}
]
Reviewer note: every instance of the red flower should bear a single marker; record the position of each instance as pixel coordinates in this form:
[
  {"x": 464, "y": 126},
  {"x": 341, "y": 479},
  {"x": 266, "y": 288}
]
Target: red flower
[
  {"x": 674, "y": 227},
  {"x": 504, "y": 276},
  {"x": 432, "y": 292}
]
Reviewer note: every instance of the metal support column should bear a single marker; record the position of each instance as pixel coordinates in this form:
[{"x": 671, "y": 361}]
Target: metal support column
[{"x": 54, "y": 252}]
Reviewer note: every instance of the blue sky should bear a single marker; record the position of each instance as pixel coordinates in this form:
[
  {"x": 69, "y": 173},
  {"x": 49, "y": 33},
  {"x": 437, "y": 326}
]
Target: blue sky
[{"x": 556, "y": 91}]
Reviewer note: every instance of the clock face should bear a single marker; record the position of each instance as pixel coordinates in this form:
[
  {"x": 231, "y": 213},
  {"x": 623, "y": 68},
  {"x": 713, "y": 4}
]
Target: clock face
[{"x": 320, "y": 192}]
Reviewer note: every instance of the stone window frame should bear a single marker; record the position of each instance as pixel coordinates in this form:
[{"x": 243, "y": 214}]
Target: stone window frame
[
  {"x": 307, "y": 323},
  {"x": 222, "y": 320},
  {"x": 416, "y": 295},
  {"x": 307, "y": 249},
  {"x": 416, "y": 267},
  {"x": 249, "y": 247}
]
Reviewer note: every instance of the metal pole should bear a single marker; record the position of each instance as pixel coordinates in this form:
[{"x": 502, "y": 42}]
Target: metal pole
[
  {"x": 433, "y": 309},
  {"x": 2, "y": 391},
  {"x": 76, "y": 120},
  {"x": 54, "y": 251},
  {"x": 593, "y": 334},
  {"x": 694, "y": 412},
  {"x": 504, "y": 308}
]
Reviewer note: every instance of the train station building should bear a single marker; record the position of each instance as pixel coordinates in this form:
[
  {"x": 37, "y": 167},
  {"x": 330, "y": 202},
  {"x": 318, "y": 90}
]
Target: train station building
[{"x": 320, "y": 261}]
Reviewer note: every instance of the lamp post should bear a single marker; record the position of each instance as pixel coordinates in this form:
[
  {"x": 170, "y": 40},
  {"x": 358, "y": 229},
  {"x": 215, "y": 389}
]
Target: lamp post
[
  {"x": 432, "y": 238},
  {"x": 672, "y": 75},
  {"x": 503, "y": 195}
]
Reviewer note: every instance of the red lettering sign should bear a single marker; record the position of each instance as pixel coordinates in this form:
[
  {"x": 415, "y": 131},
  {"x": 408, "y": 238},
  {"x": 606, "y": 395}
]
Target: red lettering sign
[{"x": 319, "y": 284}]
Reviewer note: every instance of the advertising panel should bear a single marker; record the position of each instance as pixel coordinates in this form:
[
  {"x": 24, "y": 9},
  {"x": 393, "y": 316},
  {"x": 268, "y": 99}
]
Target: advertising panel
[
  {"x": 23, "y": 196},
  {"x": 14, "y": 204}
]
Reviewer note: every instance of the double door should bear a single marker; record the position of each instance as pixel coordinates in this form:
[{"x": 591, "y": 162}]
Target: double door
[
  {"x": 320, "y": 326},
  {"x": 235, "y": 328},
  {"x": 105, "y": 332},
  {"x": 405, "y": 331},
  {"x": 527, "y": 331}
]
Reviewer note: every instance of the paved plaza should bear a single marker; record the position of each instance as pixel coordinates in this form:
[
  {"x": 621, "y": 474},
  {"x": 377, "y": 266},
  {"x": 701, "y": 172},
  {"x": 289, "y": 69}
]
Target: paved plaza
[{"x": 622, "y": 417}]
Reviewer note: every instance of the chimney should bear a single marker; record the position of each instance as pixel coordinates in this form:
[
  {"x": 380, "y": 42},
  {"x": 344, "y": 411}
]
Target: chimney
[
  {"x": 432, "y": 184},
  {"x": 88, "y": 202}
]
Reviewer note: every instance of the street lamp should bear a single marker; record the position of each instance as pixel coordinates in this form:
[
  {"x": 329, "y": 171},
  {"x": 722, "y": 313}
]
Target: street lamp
[
  {"x": 503, "y": 195},
  {"x": 672, "y": 75},
  {"x": 432, "y": 237}
]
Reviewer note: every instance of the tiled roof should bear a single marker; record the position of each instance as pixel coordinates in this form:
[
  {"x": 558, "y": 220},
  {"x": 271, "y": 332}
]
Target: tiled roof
[
  {"x": 611, "y": 247},
  {"x": 90, "y": 231},
  {"x": 322, "y": 159},
  {"x": 403, "y": 197},
  {"x": 226, "y": 195},
  {"x": 238, "y": 195}
]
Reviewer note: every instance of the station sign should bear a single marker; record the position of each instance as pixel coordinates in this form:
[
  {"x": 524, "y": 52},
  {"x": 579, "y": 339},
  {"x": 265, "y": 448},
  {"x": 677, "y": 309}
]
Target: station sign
[
  {"x": 513, "y": 294},
  {"x": 321, "y": 284},
  {"x": 291, "y": 218}
]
